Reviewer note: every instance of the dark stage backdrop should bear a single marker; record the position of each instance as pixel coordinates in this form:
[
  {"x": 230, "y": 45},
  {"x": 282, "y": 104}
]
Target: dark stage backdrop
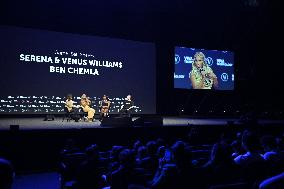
[{"x": 39, "y": 68}]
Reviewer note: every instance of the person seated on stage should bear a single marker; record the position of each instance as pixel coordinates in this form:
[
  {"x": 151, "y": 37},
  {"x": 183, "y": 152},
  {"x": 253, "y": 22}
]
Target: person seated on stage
[
  {"x": 126, "y": 107},
  {"x": 68, "y": 107},
  {"x": 69, "y": 104},
  {"x": 85, "y": 104},
  {"x": 104, "y": 107}
]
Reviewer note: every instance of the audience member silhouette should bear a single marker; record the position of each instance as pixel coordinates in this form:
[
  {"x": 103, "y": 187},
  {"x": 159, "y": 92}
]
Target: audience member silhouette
[
  {"x": 271, "y": 152},
  {"x": 6, "y": 174},
  {"x": 250, "y": 143},
  {"x": 125, "y": 174},
  {"x": 89, "y": 175},
  {"x": 150, "y": 163},
  {"x": 275, "y": 182},
  {"x": 220, "y": 167}
]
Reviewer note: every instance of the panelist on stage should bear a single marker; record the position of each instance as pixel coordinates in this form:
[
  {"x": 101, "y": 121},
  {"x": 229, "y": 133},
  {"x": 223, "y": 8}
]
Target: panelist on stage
[
  {"x": 104, "y": 105},
  {"x": 68, "y": 107},
  {"x": 126, "y": 107},
  {"x": 85, "y": 104},
  {"x": 69, "y": 104}
]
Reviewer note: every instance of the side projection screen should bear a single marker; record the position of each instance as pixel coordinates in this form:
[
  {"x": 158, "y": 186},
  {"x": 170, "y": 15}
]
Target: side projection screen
[{"x": 203, "y": 69}]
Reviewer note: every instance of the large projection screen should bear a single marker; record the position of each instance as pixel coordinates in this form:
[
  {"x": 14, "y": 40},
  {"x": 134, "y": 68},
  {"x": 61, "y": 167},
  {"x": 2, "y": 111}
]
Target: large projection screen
[{"x": 39, "y": 68}]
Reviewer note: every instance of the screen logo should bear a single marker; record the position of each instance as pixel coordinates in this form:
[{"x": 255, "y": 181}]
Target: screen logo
[
  {"x": 177, "y": 59},
  {"x": 221, "y": 62},
  {"x": 209, "y": 61},
  {"x": 188, "y": 59},
  {"x": 224, "y": 77},
  {"x": 178, "y": 76}
]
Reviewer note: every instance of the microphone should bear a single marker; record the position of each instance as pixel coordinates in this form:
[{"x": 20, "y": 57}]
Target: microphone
[{"x": 203, "y": 70}]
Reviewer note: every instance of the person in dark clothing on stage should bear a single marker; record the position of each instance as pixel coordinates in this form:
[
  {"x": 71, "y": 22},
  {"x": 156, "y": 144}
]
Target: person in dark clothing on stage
[
  {"x": 104, "y": 106},
  {"x": 126, "y": 107}
]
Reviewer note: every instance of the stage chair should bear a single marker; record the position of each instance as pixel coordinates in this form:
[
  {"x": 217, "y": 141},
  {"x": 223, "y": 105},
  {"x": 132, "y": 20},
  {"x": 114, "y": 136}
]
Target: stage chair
[
  {"x": 85, "y": 116},
  {"x": 82, "y": 115},
  {"x": 67, "y": 115}
]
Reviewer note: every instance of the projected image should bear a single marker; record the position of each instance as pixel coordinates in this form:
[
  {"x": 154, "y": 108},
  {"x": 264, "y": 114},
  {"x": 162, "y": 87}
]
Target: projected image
[
  {"x": 203, "y": 69},
  {"x": 39, "y": 69}
]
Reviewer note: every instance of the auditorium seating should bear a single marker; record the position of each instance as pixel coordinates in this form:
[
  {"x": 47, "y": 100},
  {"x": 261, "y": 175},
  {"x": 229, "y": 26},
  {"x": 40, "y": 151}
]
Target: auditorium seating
[{"x": 185, "y": 157}]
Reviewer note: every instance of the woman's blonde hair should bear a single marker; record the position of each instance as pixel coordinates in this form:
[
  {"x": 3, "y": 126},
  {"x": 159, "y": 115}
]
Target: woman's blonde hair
[{"x": 199, "y": 54}]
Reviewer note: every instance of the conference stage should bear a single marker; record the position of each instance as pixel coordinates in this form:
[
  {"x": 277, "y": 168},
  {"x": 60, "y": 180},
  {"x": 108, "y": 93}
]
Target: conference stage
[{"x": 39, "y": 123}]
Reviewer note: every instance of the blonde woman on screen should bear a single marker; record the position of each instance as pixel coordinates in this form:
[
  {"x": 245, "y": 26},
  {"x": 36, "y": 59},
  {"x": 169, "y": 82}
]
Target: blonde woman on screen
[{"x": 201, "y": 75}]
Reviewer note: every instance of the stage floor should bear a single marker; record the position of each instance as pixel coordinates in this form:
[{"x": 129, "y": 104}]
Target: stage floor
[{"x": 39, "y": 123}]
